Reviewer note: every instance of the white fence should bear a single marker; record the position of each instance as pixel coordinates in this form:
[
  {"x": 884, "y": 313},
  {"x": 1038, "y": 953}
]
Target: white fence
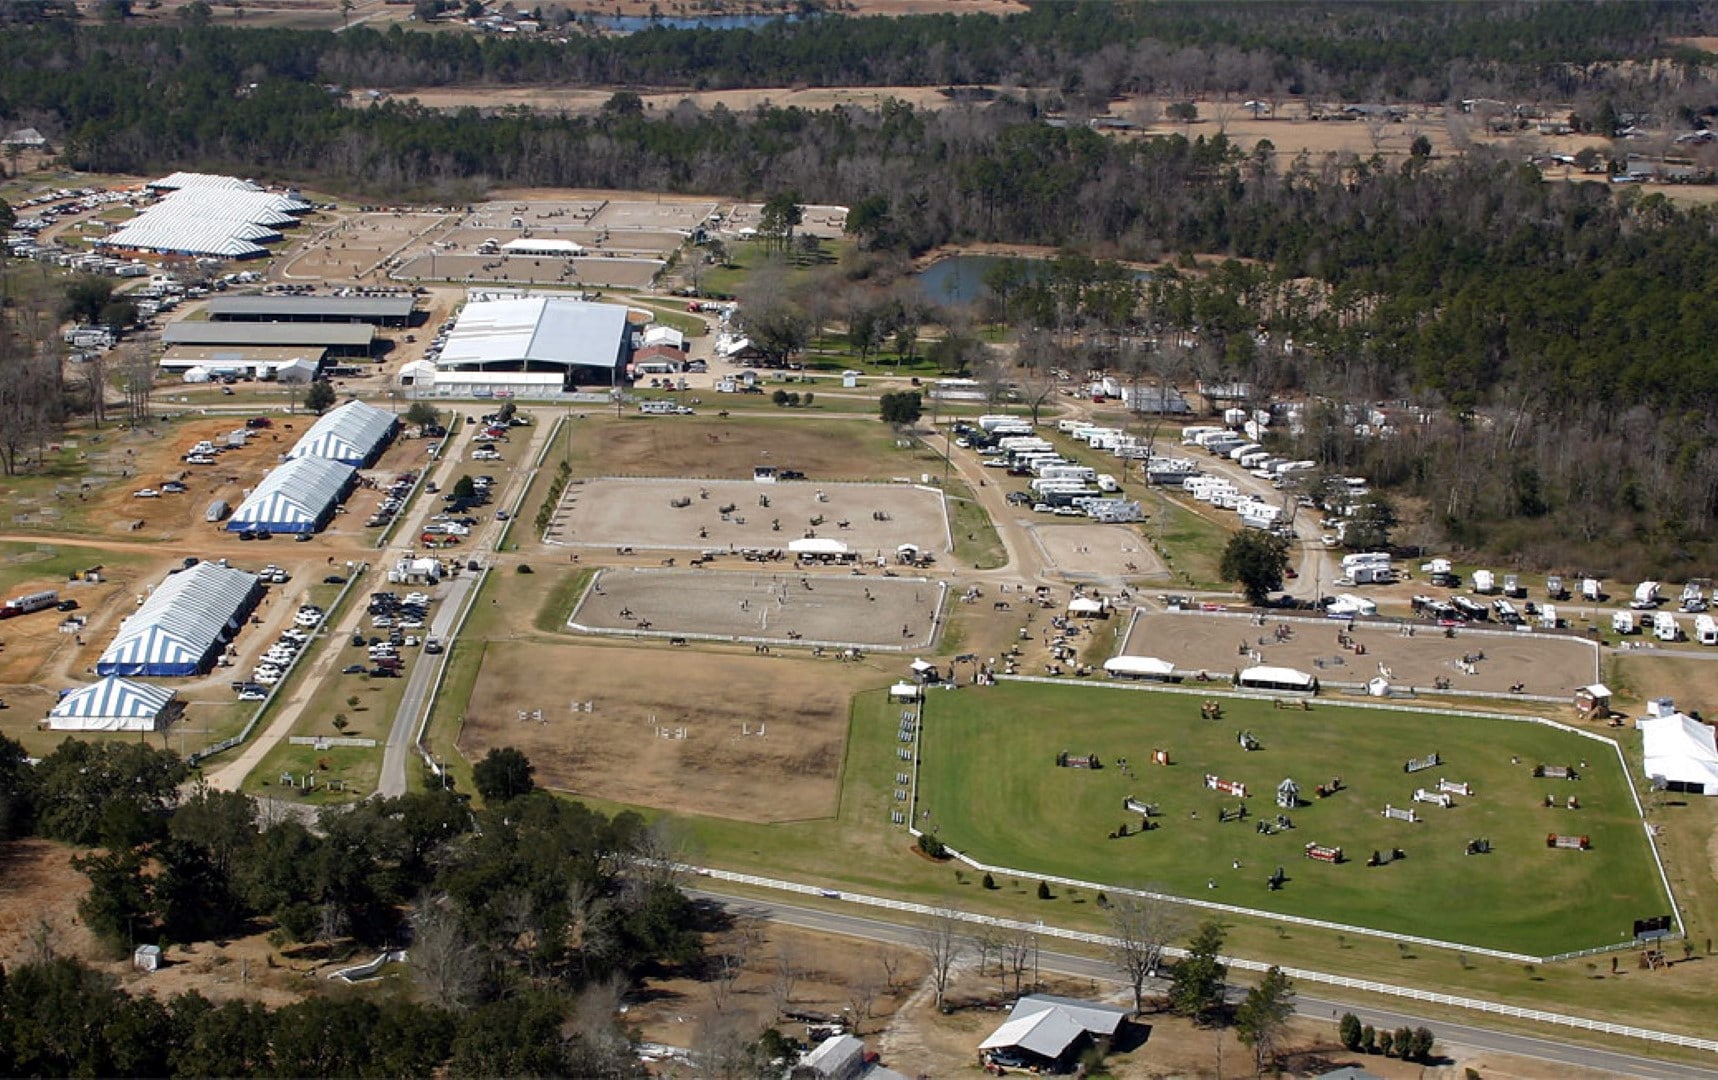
[{"x": 1367, "y": 986}]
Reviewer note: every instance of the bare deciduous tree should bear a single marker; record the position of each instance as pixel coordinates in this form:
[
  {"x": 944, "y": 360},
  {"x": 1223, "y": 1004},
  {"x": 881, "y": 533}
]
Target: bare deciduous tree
[
  {"x": 941, "y": 942},
  {"x": 861, "y": 996},
  {"x": 1142, "y": 927},
  {"x": 784, "y": 978},
  {"x": 1017, "y": 949},
  {"x": 445, "y": 963}
]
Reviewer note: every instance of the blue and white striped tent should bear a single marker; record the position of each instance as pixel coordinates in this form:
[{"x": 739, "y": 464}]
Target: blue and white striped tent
[
  {"x": 297, "y": 497},
  {"x": 113, "y": 704},
  {"x": 182, "y": 627},
  {"x": 355, "y": 433}
]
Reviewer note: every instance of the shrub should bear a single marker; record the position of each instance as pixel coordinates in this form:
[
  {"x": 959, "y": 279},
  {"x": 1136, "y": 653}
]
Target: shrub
[
  {"x": 525, "y": 568},
  {"x": 931, "y": 846},
  {"x": 1348, "y": 1030},
  {"x": 989, "y": 882},
  {"x": 1044, "y": 890},
  {"x": 1369, "y": 1039}
]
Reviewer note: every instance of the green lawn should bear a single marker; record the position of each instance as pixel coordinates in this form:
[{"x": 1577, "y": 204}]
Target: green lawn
[
  {"x": 976, "y": 543},
  {"x": 994, "y": 792}
]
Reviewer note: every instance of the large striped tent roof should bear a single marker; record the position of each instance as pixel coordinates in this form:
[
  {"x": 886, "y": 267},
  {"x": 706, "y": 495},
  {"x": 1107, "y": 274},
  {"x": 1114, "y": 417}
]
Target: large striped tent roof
[
  {"x": 208, "y": 220},
  {"x": 296, "y": 497},
  {"x": 353, "y": 433},
  {"x": 185, "y": 620},
  {"x": 112, "y": 704}
]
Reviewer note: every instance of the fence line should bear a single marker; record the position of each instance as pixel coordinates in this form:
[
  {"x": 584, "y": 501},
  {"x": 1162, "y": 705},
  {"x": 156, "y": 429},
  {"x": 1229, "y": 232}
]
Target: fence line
[
  {"x": 1299, "y": 919},
  {"x": 1299, "y": 974},
  {"x": 441, "y": 673}
]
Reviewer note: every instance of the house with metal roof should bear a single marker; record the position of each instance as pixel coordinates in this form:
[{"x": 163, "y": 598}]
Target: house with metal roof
[
  {"x": 297, "y": 497},
  {"x": 112, "y": 704},
  {"x": 1047, "y": 1032},
  {"x": 183, "y": 625},
  {"x": 354, "y": 434}
]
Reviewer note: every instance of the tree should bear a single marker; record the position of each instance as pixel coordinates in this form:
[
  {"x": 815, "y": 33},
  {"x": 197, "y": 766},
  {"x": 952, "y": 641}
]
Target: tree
[
  {"x": 504, "y": 774},
  {"x": 868, "y": 221},
  {"x": 86, "y": 296},
  {"x": 446, "y": 964},
  {"x": 320, "y": 397},
  {"x": 17, "y": 807},
  {"x": 1197, "y": 983},
  {"x": 1369, "y": 527},
  {"x": 902, "y": 408},
  {"x": 1256, "y": 560},
  {"x": 780, "y": 216},
  {"x": 422, "y": 413},
  {"x": 116, "y": 908},
  {"x": 779, "y": 399},
  {"x": 1348, "y": 1030},
  {"x": 1182, "y": 112},
  {"x": 464, "y": 488},
  {"x": 1421, "y": 1047},
  {"x": 1263, "y": 1016},
  {"x": 1140, "y": 928},
  {"x": 940, "y": 942}
]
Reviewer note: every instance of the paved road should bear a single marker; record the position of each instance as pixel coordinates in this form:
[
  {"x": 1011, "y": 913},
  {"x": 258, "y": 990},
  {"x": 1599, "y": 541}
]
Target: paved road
[{"x": 1467, "y": 1035}]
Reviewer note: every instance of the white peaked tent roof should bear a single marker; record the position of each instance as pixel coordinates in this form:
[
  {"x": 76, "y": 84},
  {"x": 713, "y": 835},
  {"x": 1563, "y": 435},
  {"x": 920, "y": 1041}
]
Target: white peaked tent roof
[
  {"x": 179, "y": 180},
  {"x": 906, "y": 690},
  {"x": 295, "y": 493},
  {"x": 197, "y": 374},
  {"x": 113, "y": 704},
  {"x": 817, "y": 545},
  {"x": 349, "y": 434},
  {"x": 1286, "y": 676},
  {"x": 179, "y": 623},
  {"x": 1085, "y": 605},
  {"x": 1047, "y": 1033},
  {"x": 296, "y": 370},
  {"x": 1138, "y": 665},
  {"x": 1682, "y": 750}
]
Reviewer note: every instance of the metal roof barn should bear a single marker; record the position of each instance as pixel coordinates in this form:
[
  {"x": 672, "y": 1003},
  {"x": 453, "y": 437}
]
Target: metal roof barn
[
  {"x": 383, "y": 310},
  {"x": 182, "y": 626},
  {"x": 113, "y": 704},
  {"x": 344, "y": 336},
  {"x": 354, "y": 434},
  {"x": 538, "y": 333},
  {"x": 297, "y": 497}
]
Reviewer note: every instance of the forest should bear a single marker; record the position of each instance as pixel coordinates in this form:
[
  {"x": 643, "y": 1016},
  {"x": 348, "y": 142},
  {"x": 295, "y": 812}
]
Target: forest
[
  {"x": 1554, "y": 334},
  {"x": 528, "y": 921}
]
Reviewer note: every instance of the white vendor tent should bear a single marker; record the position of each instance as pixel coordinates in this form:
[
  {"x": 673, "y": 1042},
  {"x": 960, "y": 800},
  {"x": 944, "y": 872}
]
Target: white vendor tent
[
  {"x": 1276, "y": 678},
  {"x": 1683, "y": 751},
  {"x": 354, "y": 434},
  {"x": 1138, "y": 667},
  {"x": 297, "y": 497},
  {"x": 196, "y": 375},
  {"x": 112, "y": 704},
  {"x": 1085, "y": 605},
  {"x": 906, "y": 691},
  {"x": 182, "y": 627}
]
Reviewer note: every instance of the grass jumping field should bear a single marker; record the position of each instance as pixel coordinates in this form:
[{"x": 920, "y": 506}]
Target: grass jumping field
[{"x": 992, "y": 790}]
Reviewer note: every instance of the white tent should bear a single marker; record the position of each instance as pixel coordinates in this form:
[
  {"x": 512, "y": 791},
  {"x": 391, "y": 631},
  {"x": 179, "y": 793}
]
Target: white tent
[
  {"x": 1138, "y": 667},
  {"x": 1276, "y": 678},
  {"x": 906, "y": 691},
  {"x": 1085, "y": 605},
  {"x": 112, "y": 704},
  {"x": 196, "y": 375},
  {"x": 295, "y": 371},
  {"x": 1682, "y": 751},
  {"x": 818, "y": 546}
]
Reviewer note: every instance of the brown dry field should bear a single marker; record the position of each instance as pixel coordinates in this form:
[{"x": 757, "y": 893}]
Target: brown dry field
[
  {"x": 769, "y": 604},
  {"x": 1108, "y": 551},
  {"x": 1547, "y": 664},
  {"x": 608, "y": 513},
  {"x": 614, "y": 752},
  {"x": 713, "y": 448}
]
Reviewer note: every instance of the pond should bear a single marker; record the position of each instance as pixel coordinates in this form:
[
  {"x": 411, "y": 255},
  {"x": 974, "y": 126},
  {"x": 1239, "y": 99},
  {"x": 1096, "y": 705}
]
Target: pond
[
  {"x": 632, "y": 24},
  {"x": 959, "y": 279}
]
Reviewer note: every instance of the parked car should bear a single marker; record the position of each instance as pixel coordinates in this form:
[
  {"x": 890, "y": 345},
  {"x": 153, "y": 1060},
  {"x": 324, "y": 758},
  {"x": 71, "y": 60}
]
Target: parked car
[
  {"x": 352, "y": 669},
  {"x": 333, "y": 579},
  {"x": 146, "y": 493},
  {"x": 66, "y": 605},
  {"x": 253, "y": 695}
]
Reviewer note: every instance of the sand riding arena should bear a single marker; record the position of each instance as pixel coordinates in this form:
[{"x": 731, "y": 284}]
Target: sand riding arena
[
  {"x": 1473, "y": 660},
  {"x": 770, "y": 606},
  {"x": 732, "y": 515}
]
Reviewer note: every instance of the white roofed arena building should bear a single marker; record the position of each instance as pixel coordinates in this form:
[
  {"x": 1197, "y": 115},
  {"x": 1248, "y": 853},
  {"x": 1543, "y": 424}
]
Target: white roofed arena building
[{"x": 526, "y": 347}]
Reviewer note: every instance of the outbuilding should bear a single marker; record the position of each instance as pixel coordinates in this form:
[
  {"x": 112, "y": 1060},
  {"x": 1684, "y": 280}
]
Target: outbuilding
[{"x": 113, "y": 704}]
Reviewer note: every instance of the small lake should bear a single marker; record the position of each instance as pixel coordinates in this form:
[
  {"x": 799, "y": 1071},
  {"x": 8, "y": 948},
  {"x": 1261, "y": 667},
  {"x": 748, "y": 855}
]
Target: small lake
[
  {"x": 632, "y": 24},
  {"x": 959, "y": 279}
]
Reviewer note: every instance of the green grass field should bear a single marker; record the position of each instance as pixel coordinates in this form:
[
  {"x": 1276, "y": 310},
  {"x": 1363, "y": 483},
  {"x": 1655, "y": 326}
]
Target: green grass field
[{"x": 993, "y": 791}]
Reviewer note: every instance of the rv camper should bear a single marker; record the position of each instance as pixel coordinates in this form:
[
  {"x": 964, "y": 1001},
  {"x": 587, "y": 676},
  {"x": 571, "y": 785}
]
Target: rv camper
[
  {"x": 1484, "y": 582},
  {"x": 1705, "y": 629},
  {"x": 1694, "y": 596},
  {"x": 1664, "y": 627},
  {"x": 1622, "y": 622},
  {"x": 1513, "y": 588},
  {"x": 1554, "y": 589},
  {"x": 1645, "y": 596},
  {"x": 1590, "y": 590}
]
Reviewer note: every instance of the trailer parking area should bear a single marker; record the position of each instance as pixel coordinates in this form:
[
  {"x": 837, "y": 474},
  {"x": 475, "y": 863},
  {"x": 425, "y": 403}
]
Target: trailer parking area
[
  {"x": 1544, "y": 664},
  {"x": 731, "y": 515},
  {"x": 774, "y": 605}
]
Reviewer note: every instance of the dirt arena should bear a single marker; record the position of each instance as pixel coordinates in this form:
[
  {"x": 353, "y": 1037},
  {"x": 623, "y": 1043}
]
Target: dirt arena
[
  {"x": 710, "y": 447},
  {"x": 613, "y": 273},
  {"x": 357, "y": 247},
  {"x": 1545, "y": 664},
  {"x": 731, "y": 514},
  {"x": 1098, "y": 551},
  {"x": 597, "y": 213},
  {"x": 774, "y": 603},
  {"x": 824, "y": 222},
  {"x": 625, "y": 748}
]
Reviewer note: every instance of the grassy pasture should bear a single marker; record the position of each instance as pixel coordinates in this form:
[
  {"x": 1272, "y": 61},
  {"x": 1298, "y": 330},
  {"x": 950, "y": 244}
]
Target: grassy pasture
[{"x": 993, "y": 791}]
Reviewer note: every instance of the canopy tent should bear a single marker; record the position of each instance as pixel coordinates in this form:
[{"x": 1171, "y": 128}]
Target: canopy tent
[
  {"x": 1085, "y": 605},
  {"x": 1138, "y": 667},
  {"x": 113, "y": 704},
  {"x": 906, "y": 691},
  {"x": 181, "y": 627},
  {"x": 196, "y": 375},
  {"x": 1276, "y": 678},
  {"x": 296, "y": 371},
  {"x": 297, "y": 497},
  {"x": 1683, "y": 751},
  {"x": 354, "y": 434}
]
